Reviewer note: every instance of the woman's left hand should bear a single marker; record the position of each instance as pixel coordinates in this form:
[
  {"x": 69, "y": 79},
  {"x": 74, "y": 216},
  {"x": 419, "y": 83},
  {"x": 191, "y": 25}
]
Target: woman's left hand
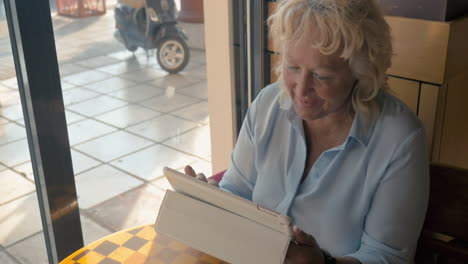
[{"x": 305, "y": 251}]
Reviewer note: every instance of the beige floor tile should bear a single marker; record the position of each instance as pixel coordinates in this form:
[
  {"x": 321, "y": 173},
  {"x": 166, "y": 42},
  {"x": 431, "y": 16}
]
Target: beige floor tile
[
  {"x": 178, "y": 81},
  {"x": 162, "y": 128},
  {"x": 14, "y": 112},
  {"x": 137, "y": 207},
  {"x": 91, "y": 230},
  {"x": 11, "y": 132},
  {"x": 13, "y": 185},
  {"x": 82, "y": 162},
  {"x": 201, "y": 166},
  {"x": 6, "y": 259},
  {"x": 8, "y": 98},
  {"x": 112, "y": 146},
  {"x": 138, "y": 93},
  {"x": 120, "y": 68},
  {"x": 67, "y": 69},
  {"x": 25, "y": 170},
  {"x": 197, "y": 113},
  {"x": 197, "y": 142},
  {"x": 73, "y": 117},
  {"x": 3, "y": 120},
  {"x": 198, "y": 90},
  {"x": 128, "y": 115},
  {"x": 144, "y": 75},
  {"x": 86, "y": 77},
  {"x": 97, "y": 105},
  {"x": 87, "y": 129},
  {"x": 31, "y": 250},
  {"x": 122, "y": 55},
  {"x": 110, "y": 85},
  {"x": 102, "y": 183},
  {"x": 14, "y": 153},
  {"x": 149, "y": 163},
  {"x": 162, "y": 183},
  {"x": 97, "y": 61},
  {"x": 76, "y": 95},
  {"x": 169, "y": 102},
  {"x": 19, "y": 219},
  {"x": 11, "y": 83},
  {"x": 66, "y": 86}
]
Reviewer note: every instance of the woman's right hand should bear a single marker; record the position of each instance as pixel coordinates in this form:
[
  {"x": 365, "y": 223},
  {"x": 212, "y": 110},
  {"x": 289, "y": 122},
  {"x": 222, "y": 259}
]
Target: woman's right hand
[{"x": 200, "y": 176}]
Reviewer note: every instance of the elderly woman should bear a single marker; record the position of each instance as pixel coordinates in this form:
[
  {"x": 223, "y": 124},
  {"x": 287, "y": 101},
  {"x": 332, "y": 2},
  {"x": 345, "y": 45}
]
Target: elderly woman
[{"x": 328, "y": 145}]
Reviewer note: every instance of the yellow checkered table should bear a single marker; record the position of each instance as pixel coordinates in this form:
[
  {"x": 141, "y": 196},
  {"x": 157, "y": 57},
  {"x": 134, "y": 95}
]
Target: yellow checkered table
[{"x": 139, "y": 245}]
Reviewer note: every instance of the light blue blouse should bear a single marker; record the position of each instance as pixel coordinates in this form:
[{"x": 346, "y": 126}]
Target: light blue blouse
[{"x": 365, "y": 198}]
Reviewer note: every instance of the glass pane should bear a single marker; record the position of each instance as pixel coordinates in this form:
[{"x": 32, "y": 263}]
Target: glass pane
[
  {"x": 127, "y": 117},
  {"x": 21, "y": 237}
]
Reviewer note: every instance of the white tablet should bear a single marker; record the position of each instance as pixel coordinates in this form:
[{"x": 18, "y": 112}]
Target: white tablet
[{"x": 208, "y": 193}]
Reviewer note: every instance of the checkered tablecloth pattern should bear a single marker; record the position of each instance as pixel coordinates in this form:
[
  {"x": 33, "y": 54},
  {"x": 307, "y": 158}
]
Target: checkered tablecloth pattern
[{"x": 140, "y": 245}]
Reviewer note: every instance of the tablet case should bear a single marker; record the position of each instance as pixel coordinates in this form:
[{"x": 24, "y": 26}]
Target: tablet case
[{"x": 219, "y": 233}]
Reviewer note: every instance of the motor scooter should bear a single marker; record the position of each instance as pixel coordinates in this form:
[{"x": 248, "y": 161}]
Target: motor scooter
[{"x": 152, "y": 24}]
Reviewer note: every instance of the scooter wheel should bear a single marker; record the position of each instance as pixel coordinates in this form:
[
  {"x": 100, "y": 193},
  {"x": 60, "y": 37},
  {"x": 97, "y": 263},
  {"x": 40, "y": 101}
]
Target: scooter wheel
[{"x": 173, "y": 54}]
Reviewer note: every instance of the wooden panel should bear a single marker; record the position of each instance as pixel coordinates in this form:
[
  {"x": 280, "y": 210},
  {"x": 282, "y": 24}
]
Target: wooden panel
[
  {"x": 420, "y": 48},
  {"x": 407, "y": 91},
  {"x": 274, "y": 59},
  {"x": 457, "y": 60},
  {"x": 427, "y": 110},
  {"x": 454, "y": 143}
]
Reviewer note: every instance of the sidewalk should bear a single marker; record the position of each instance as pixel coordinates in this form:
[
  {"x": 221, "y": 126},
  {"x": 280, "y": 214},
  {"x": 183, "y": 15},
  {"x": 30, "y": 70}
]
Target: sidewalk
[{"x": 126, "y": 120}]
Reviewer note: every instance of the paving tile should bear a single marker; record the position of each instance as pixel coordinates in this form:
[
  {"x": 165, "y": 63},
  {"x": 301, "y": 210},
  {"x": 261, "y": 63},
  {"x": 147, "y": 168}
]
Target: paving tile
[
  {"x": 2, "y": 167},
  {"x": 120, "y": 68},
  {"x": 87, "y": 129},
  {"x": 76, "y": 95},
  {"x": 197, "y": 113},
  {"x": 66, "y": 86},
  {"x": 138, "y": 93},
  {"x": 127, "y": 116},
  {"x": 86, "y": 77},
  {"x": 97, "y": 105},
  {"x": 14, "y": 153},
  {"x": 136, "y": 207},
  {"x": 144, "y": 75},
  {"x": 73, "y": 117},
  {"x": 177, "y": 81},
  {"x": 162, "y": 128},
  {"x": 13, "y": 112},
  {"x": 102, "y": 183},
  {"x": 5, "y": 259},
  {"x": 169, "y": 102},
  {"x": 11, "y": 132},
  {"x": 19, "y": 219},
  {"x": 31, "y": 250},
  {"x": 197, "y": 142},
  {"x": 82, "y": 162},
  {"x": 11, "y": 83},
  {"x": 25, "y": 170},
  {"x": 3, "y": 120},
  {"x": 13, "y": 185},
  {"x": 70, "y": 68},
  {"x": 157, "y": 158},
  {"x": 97, "y": 61},
  {"x": 198, "y": 71},
  {"x": 121, "y": 55},
  {"x": 92, "y": 231},
  {"x": 112, "y": 146},
  {"x": 8, "y": 98},
  {"x": 201, "y": 166},
  {"x": 162, "y": 183},
  {"x": 110, "y": 85},
  {"x": 198, "y": 90}
]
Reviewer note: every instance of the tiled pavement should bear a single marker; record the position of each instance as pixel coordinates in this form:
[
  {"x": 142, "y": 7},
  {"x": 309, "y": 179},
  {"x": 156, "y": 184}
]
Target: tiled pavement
[{"x": 126, "y": 120}]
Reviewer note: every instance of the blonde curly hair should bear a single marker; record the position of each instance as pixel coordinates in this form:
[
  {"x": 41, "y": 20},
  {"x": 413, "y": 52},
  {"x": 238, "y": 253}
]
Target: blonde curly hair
[{"x": 356, "y": 28}]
